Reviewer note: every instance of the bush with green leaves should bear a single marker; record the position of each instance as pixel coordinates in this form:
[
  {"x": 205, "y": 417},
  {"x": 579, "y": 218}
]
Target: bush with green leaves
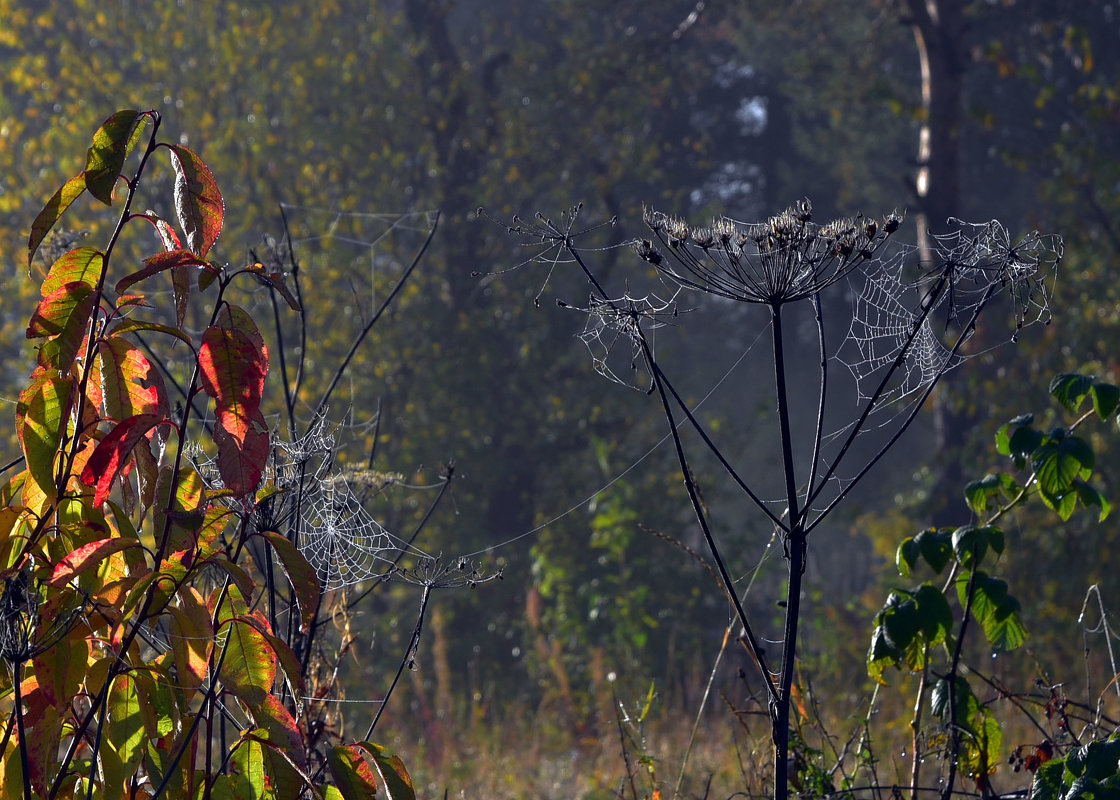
[{"x": 924, "y": 629}]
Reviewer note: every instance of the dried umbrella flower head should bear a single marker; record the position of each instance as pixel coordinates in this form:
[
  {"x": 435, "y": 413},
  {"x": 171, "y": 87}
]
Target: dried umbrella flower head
[{"x": 784, "y": 259}]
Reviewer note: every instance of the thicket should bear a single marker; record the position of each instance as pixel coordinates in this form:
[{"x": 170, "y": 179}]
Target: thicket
[{"x": 171, "y": 557}]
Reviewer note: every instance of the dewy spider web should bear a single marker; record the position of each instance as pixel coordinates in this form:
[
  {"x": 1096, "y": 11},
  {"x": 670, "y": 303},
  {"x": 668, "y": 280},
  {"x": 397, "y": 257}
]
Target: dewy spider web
[
  {"x": 614, "y": 322},
  {"x": 973, "y": 262}
]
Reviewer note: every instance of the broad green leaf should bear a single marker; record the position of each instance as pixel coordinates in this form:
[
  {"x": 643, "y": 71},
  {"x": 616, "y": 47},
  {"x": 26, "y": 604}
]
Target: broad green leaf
[
  {"x": 125, "y": 738},
  {"x": 352, "y": 773},
  {"x": 1106, "y": 399},
  {"x": 41, "y": 415},
  {"x": 1025, "y": 441},
  {"x": 1096, "y": 760},
  {"x": 968, "y": 711},
  {"x": 970, "y": 540},
  {"x": 113, "y": 451},
  {"x": 247, "y": 767},
  {"x": 52, "y": 212},
  {"x": 87, "y": 557},
  {"x": 81, "y": 265},
  {"x": 1089, "y": 496},
  {"x": 933, "y": 545},
  {"x": 198, "y": 202},
  {"x": 881, "y": 654},
  {"x": 249, "y": 669},
  {"x": 995, "y": 610},
  {"x": 391, "y": 770},
  {"x": 111, "y": 145},
  {"x": 1070, "y": 389},
  {"x": 160, "y": 262},
  {"x": 1003, "y": 435},
  {"x": 990, "y": 490},
  {"x": 301, "y": 575},
  {"x": 1047, "y": 783},
  {"x": 1059, "y": 461},
  {"x": 982, "y": 747},
  {"x": 63, "y": 319}
]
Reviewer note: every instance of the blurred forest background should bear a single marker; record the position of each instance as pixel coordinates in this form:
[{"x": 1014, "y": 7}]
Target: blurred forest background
[{"x": 358, "y": 119}]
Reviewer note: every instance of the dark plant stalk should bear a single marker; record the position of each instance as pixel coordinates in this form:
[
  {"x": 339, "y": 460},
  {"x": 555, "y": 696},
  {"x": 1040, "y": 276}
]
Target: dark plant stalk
[
  {"x": 819, "y": 433},
  {"x": 373, "y": 320},
  {"x": 24, "y": 761},
  {"x": 795, "y": 551},
  {"x": 698, "y": 510},
  {"x": 916, "y": 725},
  {"x": 951, "y": 676},
  {"x": 699, "y": 428},
  {"x": 413, "y": 644},
  {"x": 97, "y": 744},
  {"x": 299, "y": 296}
]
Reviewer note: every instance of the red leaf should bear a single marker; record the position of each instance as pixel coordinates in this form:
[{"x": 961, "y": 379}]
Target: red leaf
[
  {"x": 198, "y": 203},
  {"x": 53, "y": 211},
  {"x": 241, "y": 459},
  {"x": 272, "y": 716},
  {"x": 87, "y": 557},
  {"x": 130, "y": 385},
  {"x": 234, "y": 362},
  {"x": 352, "y": 773},
  {"x": 157, "y": 264},
  {"x": 112, "y": 453}
]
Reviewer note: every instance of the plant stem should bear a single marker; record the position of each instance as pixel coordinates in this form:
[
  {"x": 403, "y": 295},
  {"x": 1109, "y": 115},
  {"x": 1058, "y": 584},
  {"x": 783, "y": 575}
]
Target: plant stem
[{"x": 795, "y": 550}]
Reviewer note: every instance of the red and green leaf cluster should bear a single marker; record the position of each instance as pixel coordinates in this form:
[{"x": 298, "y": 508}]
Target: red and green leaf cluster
[{"x": 131, "y": 607}]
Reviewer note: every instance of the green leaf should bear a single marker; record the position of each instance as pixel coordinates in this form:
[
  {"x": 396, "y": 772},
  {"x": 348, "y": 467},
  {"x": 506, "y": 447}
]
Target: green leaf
[
  {"x": 81, "y": 265},
  {"x": 933, "y": 544},
  {"x": 881, "y": 654},
  {"x": 1096, "y": 760},
  {"x": 1089, "y": 496},
  {"x": 1059, "y": 461},
  {"x": 41, "y": 416},
  {"x": 52, "y": 212},
  {"x": 112, "y": 143},
  {"x": 990, "y": 490},
  {"x": 125, "y": 735},
  {"x": 1003, "y": 435},
  {"x": 138, "y": 325},
  {"x": 280, "y": 728},
  {"x": 1047, "y": 783},
  {"x": 1106, "y": 399},
  {"x": 249, "y": 669},
  {"x": 995, "y": 610},
  {"x": 62, "y": 318},
  {"x": 198, "y": 203},
  {"x": 973, "y": 540},
  {"x": 1070, "y": 389},
  {"x": 301, "y": 575}
]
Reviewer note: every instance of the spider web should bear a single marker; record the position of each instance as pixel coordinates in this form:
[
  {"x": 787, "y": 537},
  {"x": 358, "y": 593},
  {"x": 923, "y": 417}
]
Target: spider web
[
  {"x": 619, "y": 323},
  {"x": 903, "y": 331}
]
